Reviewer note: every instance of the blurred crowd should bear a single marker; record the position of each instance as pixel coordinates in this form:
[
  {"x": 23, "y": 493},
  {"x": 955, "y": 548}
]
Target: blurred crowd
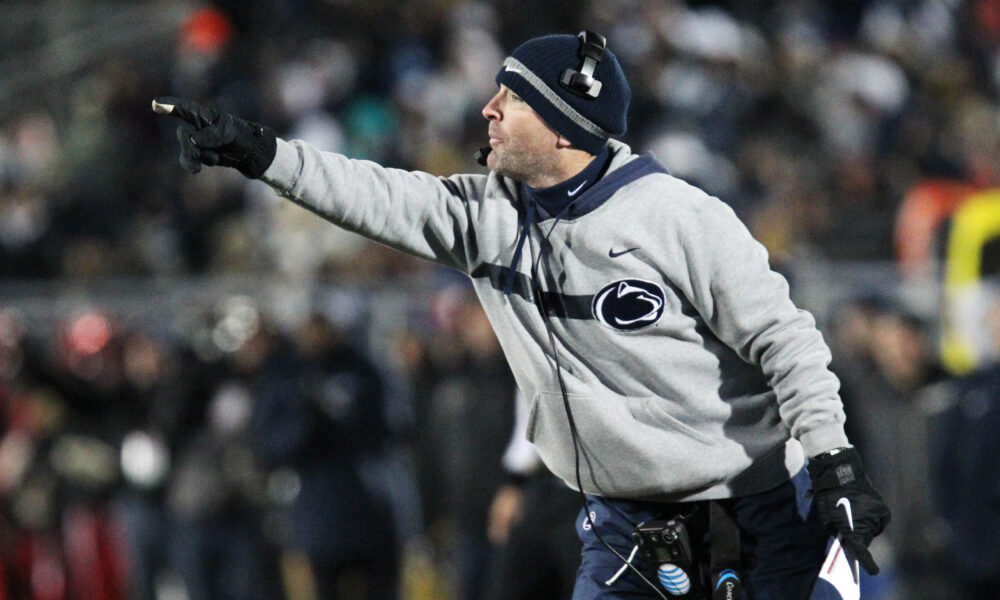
[
  {"x": 224, "y": 456},
  {"x": 234, "y": 454},
  {"x": 812, "y": 119}
]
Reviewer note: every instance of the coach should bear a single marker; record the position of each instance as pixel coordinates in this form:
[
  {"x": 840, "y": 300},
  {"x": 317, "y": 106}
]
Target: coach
[{"x": 667, "y": 370}]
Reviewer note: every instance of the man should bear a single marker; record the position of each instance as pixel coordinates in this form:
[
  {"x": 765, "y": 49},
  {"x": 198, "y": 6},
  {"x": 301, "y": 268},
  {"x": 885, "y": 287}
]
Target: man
[{"x": 666, "y": 369}]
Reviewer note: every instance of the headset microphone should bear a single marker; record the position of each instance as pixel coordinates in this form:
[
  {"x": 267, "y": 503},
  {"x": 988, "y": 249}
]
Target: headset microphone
[{"x": 481, "y": 155}]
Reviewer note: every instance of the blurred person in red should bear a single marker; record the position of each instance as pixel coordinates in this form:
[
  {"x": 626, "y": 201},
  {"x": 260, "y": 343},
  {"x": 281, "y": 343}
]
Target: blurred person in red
[
  {"x": 63, "y": 466},
  {"x": 90, "y": 377},
  {"x": 32, "y": 414}
]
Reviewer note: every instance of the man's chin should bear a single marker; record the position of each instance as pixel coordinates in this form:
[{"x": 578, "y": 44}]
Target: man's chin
[
  {"x": 495, "y": 162},
  {"x": 501, "y": 165}
]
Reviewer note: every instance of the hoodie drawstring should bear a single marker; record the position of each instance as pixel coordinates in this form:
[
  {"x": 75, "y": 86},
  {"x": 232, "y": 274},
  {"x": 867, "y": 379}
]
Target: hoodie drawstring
[{"x": 529, "y": 219}]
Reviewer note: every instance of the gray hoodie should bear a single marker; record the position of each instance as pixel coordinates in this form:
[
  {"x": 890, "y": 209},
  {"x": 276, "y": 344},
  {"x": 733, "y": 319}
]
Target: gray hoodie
[{"x": 689, "y": 372}]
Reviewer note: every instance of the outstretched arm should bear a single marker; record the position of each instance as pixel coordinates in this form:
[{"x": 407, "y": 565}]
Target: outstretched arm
[{"x": 418, "y": 213}]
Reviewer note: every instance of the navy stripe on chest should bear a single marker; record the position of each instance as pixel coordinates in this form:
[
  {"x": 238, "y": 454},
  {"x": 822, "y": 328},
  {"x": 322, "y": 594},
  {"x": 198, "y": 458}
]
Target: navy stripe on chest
[{"x": 557, "y": 305}]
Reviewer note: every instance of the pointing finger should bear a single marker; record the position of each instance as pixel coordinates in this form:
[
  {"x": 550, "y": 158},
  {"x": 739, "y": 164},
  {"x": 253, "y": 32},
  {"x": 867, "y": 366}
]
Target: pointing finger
[
  {"x": 163, "y": 109},
  {"x": 187, "y": 110}
]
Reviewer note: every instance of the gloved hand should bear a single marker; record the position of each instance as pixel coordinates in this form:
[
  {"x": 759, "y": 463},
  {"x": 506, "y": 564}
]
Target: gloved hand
[
  {"x": 209, "y": 136},
  {"x": 839, "y": 474}
]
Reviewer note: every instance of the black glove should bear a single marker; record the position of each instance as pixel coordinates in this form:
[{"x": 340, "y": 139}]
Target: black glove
[
  {"x": 211, "y": 137},
  {"x": 839, "y": 474}
]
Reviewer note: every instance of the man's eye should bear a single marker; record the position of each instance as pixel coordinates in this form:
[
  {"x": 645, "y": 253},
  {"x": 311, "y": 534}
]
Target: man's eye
[{"x": 515, "y": 98}]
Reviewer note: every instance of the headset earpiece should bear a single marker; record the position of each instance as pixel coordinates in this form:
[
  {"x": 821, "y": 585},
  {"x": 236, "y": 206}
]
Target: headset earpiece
[{"x": 582, "y": 82}]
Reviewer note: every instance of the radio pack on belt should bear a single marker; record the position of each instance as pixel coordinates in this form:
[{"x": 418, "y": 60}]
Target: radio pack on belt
[{"x": 674, "y": 549}]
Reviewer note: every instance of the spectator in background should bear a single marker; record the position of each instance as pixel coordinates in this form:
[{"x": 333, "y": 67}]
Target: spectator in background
[
  {"x": 474, "y": 409},
  {"x": 32, "y": 416},
  {"x": 965, "y": 454},
  {"x": 465, "y": 414},
  {"x": 169, "y": 387},
  {"x": 216, "y": 495},
  {"x": 535, "y": 550},
  {"x": 317, "y": 432},
  {"x": 89, "y": 374},
  {"x": 851, "y": 344},
  {"x": 893, "y": 364}
]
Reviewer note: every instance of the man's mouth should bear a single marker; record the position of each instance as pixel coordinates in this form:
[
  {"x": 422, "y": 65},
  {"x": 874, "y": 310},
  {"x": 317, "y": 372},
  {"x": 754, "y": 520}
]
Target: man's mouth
[{"x": 494, "y": 139}]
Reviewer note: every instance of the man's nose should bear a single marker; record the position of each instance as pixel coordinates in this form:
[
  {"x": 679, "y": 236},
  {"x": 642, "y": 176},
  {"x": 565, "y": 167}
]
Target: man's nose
[{"x": 492, "y": 109}]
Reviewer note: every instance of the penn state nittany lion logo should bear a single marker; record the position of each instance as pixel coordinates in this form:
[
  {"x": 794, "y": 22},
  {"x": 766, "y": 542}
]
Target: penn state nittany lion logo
[{"x": 629, "y": 304}]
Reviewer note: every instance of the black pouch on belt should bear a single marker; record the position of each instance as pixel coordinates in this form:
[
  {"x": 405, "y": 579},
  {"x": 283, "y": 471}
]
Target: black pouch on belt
[{"x": 725, "y": 552}]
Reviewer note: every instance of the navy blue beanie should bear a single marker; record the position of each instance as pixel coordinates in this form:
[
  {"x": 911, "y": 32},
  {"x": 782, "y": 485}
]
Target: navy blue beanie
[{"x": 533, "y": 71}]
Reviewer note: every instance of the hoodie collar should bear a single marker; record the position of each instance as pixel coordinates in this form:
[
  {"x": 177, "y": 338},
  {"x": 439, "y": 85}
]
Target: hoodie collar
[
  {"x": 553, "y": 200},
  {"x": 617, "y": 168}
]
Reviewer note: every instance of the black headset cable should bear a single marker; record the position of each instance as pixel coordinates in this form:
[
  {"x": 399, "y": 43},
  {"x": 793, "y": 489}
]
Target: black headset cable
[{"x": 574, "y": 433}]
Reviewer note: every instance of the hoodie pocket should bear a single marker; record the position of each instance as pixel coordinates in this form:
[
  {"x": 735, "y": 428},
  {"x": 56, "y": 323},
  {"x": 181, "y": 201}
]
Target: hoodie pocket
[
  {"x": 647, "y": 410},
  {"x": 653, "y": 411},
  {"x": 626, "y": 446}
]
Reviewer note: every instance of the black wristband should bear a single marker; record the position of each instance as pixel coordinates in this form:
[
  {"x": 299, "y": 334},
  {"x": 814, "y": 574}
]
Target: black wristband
[
  {"x": 261, "y": 153},
  {"x": 835, "y": 468}
]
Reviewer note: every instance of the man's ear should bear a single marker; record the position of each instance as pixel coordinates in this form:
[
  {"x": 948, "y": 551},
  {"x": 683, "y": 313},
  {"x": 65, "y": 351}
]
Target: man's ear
[{"x": 562, "y": 142}]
